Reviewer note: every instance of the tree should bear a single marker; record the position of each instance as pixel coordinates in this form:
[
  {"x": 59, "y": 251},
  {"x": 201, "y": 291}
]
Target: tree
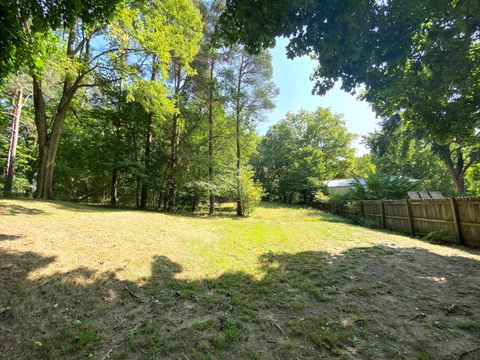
[
  {"x": 81, "y": 63},
  {"x": 436, "y": 89},
  {"x": 249, "y": 90},
  {"x": 213, "y": 55},
  {"x": 148, "y": 142},
  {"x": 170, "y": 32},
  {"x": 128, "y": 112},
  {"x": 472, "y": 179},
  {"x": 377, "y": 187},
  {"x": 76, "y": 63},
  {"x": 20, "y": 20},
  {"x": 16, "y": 94},
  {"x": 300, "y": 151},
  {"x": 397, "y": 149},
  {"x": 364, "y": 166},
  {"x": 429, "y": 73}
]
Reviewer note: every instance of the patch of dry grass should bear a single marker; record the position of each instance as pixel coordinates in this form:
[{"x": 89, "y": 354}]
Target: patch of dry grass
[{"x": 287, "y": 282}]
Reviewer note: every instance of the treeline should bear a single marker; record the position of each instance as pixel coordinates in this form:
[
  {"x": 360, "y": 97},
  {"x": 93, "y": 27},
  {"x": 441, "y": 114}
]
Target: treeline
[
  {"x": 154, "y": 103},
  {"x": 300, "y": 152},
  {"x": 142, "y": 106}
]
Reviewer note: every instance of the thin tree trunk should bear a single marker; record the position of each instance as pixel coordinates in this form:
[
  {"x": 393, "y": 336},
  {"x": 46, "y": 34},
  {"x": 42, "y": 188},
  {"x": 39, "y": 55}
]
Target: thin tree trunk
[
  {"x": 137, "y": 193},
  {"x": 239, "y": 185},
  {"x": 114, "y": 183},
  {"x": 174, "y": 140},
  {"x": 210, "y": 138},
  {"x": 114, "y": 187},
  {"x": 12, "y": 147},
  {"x": 238, "y": 133},
  {"x": 148, "y": 144},
  {"x": 173, "y": 164},
  {"x": 117, "y": 124}
]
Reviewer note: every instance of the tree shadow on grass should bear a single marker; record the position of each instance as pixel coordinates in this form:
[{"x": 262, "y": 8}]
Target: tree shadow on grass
[
  {"x": 366, "y": 303},
  {"x": 14, "y": 209},
  {"x": 6, "y": 237},
  {"x": 28, "y": 207}
]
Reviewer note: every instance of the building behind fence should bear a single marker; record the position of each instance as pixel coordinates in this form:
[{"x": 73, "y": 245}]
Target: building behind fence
[{"x": 455, "y": 219}]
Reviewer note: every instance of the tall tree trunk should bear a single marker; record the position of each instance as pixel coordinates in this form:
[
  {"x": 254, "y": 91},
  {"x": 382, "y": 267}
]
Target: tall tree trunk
[
  {"x": 171, "y": 195},
  {"x": 117, "y": 124},
  {"x": 48, "y": 152},
  {"x": 174, "y": 140},
  {"x": 239, "y": 185},
  {"x": 148, "y": 144},
  {"x": 114, "y": 184},
  {"x": 12, "y": 147},
  {"x": 238, "y": 133},
  {"x": 48, "y": 141},
  {"x": 210, "y": 137}
]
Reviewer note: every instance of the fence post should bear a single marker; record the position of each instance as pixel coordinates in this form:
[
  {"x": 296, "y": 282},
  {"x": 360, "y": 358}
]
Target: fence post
[
  {"x": 382, "y": 213},
  {"x": 362, "y": 212},
  {"x": 456, "y": 221},
  {"x": 410, "y": 218}
]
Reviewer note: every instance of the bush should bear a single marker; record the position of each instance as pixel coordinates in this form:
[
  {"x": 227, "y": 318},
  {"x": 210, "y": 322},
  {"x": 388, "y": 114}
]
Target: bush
[
  {"x": 252, "y": 191},
  {"x": 320, "y": 196},
  {"x": 382, "y": 187}
]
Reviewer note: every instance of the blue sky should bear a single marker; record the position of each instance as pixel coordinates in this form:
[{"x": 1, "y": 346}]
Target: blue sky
[{"x": 293, "y": 79}]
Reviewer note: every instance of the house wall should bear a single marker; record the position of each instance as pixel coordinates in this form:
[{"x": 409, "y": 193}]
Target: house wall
[{"x": 339, "y": 190}]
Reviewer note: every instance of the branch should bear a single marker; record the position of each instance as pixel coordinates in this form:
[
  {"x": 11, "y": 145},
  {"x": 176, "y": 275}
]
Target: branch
[
  {"x": 103, "y": 53},
  {"x": 474, "y": 158},
  {"x": 99, "y": 83},
  {"x": 109, "y": 51}
]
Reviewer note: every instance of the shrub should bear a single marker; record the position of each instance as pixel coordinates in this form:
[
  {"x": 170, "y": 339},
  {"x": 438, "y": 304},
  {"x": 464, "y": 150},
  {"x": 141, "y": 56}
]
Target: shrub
[
  {"x": 252, "y": 191},
  {"x": 382, "y": 187},
  {"x": 320, "y": 196}
]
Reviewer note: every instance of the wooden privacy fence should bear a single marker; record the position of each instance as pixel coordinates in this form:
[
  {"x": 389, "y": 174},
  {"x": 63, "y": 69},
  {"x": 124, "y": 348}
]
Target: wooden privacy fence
[{"x": 456, "y": 219}]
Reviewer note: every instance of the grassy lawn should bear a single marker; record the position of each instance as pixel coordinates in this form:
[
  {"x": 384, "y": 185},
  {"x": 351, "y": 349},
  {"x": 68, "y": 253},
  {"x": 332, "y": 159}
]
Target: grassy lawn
[{"x": 287, "y": 283}]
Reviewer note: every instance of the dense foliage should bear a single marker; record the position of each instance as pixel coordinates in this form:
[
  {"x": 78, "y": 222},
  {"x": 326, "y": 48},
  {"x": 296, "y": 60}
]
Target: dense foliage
[
  {"x": 155, "y": 103},
  {"x": 149, "y": 110},
  {"x": 398, "y": 151},
  {"x": 300, "y": 151},
  {"x": 419, "y": 60},
  {"x": 377, "y": 187}
]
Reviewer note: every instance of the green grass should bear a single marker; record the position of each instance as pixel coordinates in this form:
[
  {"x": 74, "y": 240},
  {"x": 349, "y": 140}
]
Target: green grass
[{"x": 287, "y": 282}]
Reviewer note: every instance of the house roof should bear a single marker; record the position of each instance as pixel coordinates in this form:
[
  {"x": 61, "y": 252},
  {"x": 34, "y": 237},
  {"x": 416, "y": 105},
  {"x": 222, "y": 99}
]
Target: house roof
[{"x": 342, "y": 182}]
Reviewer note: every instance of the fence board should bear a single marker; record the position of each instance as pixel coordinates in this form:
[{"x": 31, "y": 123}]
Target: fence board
[{"x": 419, "y": 216}]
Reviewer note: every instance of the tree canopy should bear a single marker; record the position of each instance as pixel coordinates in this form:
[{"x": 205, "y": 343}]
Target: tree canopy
[
  {"x": 20, "y": 20},
  {"x": 155, "y": 103},
  {"x": 420, "y": 59},
  {"x": 300, "y": 151}
]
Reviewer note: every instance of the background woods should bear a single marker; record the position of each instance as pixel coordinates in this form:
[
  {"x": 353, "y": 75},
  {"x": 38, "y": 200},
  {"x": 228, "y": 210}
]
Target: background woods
[
  {"x": 144, "y": 106},
  {"x": 154, "y": 104}
]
